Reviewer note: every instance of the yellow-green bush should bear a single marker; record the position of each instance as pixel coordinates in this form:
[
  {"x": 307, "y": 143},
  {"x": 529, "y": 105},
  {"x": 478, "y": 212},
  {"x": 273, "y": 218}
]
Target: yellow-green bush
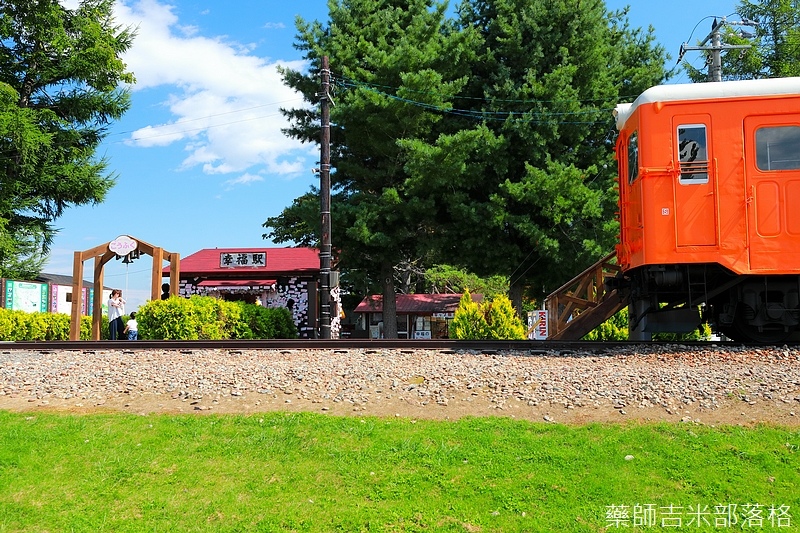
[
  {"x": 22, "y": 326},
  {"x": 504, "y": 322},
  {"x": 469, "y": 322},
  {"x": 495, "y": 319},
  {"x": 203, "y": 317},
  {"x": 199, "y": 317}
]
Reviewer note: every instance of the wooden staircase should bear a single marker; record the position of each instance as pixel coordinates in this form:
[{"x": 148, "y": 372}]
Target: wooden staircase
[{"x": 582, "y": 304}]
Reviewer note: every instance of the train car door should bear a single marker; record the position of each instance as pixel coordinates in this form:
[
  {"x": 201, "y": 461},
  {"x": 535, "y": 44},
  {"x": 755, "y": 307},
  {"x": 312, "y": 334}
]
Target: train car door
[
  {"x": 695, "y": 187},
  {"x": 772, "y": 181}
]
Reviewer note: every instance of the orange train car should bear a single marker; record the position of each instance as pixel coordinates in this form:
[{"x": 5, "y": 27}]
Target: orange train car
[{"x": 709, "y": 208}]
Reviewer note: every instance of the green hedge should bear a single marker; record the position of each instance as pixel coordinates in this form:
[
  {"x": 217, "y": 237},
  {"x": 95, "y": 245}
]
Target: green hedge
[
  {"x": 22, "y": 326},
  {"x": 203, "y": 317},
  {"x": 199, "y": 317}
]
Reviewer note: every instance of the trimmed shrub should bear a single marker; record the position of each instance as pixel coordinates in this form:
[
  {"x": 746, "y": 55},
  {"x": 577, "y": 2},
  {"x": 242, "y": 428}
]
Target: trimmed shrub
[
  {"x": 12, "y": 327},
  {"x": 259, "y": 322},
  {"x": 613, "y": 329},
  {"x": 469, "y": 322},
  {"x": 169, "y": 319},
  {"x": 22, "y": 326},
  {"x": 494, "y": 320},
  {"x": 204, "y": 317},
  {"x": 504, "y": 322}
]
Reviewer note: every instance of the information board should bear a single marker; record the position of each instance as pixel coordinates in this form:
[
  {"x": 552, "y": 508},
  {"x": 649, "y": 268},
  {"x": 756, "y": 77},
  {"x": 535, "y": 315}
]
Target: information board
[{"x": 26, "y": 296}]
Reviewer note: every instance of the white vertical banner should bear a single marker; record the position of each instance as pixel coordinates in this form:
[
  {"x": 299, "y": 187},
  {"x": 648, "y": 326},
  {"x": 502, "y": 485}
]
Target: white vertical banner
[{"x": 537, "y": 325}]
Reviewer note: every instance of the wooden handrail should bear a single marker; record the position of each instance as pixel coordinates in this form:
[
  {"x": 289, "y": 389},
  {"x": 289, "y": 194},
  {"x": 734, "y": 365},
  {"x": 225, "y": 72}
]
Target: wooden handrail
[{"x": 579, "y": 297}]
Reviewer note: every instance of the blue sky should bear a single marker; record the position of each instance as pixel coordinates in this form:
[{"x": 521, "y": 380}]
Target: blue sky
[{"x": 200, "y": 159}]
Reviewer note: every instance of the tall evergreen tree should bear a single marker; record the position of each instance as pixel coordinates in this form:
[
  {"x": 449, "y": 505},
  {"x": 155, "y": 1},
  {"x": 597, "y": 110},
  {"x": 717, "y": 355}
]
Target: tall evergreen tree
[
  {"x": 774, "y": 42},
  {"x": 485, "y": 142},
  {"x": 776, "y": 50},
  {"x": 61, "y": 80},
  {"x": 530, "y": 192},
  {"x": 395, "y": 63}
]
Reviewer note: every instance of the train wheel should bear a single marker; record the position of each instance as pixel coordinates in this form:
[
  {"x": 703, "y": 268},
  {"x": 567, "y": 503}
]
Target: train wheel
[{"x": 767, "y": 335}]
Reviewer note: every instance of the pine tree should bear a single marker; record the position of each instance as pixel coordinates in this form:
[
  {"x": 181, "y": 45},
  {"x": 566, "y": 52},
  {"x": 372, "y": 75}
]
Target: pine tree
[{"x": 61, "y": 80}]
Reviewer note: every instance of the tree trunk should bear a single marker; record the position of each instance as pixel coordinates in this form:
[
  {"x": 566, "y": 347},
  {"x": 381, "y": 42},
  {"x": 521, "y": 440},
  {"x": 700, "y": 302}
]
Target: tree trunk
[
  {"x": 389, "y": 302},
  {"x": 515, "y": 295}
]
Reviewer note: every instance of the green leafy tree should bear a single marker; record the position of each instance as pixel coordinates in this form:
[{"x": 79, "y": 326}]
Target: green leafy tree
[
  {"x": 449, "y": 279},
  {"x": 395, "y": 63},
  {"x": 776, "y": 50},
  {"x": 774, "y": 42},
  {"x": 61, "y": 84},
  {"x": 524, "y": 185},
  {"x": 484, "y": 141}
]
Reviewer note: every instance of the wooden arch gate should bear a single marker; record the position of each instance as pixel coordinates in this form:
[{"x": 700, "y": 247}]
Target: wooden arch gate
[{"x": 102, "y": 254}]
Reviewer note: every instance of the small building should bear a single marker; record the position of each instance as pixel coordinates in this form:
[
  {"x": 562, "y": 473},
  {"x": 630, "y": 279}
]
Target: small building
[
  {"x": 47, "y": 293},
  {"x": 419, "y": 316},
  {"x": 272, "y": 277}
]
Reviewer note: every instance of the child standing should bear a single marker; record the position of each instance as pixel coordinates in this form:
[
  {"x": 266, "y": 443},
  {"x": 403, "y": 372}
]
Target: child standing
[{"x": 132, "y": 328}]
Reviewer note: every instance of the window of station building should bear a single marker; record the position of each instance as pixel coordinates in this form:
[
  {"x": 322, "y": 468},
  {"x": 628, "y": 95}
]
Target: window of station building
[
  {"x": 693, "y": 153},
  {"x": 633, "y": 157},
  {"x": 402, "y": 326},
  {"x": 778, "y": 148}
]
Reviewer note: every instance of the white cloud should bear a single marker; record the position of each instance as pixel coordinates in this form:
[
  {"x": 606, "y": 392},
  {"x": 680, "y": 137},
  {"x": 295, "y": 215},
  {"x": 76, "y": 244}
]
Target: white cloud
[
  {"x": 274, "y": 26},
  {"x": 245, "y": 179},
  {"x": 225, "y": 100}
]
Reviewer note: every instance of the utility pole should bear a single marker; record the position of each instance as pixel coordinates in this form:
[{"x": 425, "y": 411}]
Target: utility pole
[
  {"x": 325, "y": 204},
  {"x": 716, "y": 48}
]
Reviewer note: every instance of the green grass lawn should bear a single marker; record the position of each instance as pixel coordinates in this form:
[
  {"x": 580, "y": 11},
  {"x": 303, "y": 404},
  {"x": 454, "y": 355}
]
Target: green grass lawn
[{"x": 310, "y": 472}]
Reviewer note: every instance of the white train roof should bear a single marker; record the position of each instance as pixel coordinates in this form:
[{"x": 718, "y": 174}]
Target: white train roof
[{"x": 707, "y": 91}]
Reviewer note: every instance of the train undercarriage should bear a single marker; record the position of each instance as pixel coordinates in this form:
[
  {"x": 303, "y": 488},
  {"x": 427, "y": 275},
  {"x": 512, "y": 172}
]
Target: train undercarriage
[{"x": 678, "y": 298}]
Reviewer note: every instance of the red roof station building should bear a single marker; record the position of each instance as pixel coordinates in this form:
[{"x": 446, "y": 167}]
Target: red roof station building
[
  {"x": 419, "y": 316},
  {"x": 272, "y": 277}
]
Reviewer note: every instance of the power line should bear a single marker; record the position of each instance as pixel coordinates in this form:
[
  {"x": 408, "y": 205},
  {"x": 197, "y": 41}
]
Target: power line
[{"x": 503, "y": 115}]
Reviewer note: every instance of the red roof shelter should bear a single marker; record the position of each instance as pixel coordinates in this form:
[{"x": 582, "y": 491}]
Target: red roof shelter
[
  {"x": 236, "y": 263},
  {"x": 419, "y": 316},
  {"x": 273, "y": 277}
]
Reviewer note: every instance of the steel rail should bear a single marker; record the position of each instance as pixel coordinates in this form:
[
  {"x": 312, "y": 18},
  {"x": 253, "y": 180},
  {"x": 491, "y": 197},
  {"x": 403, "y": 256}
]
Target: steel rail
[{"x": 485, "y": 346}]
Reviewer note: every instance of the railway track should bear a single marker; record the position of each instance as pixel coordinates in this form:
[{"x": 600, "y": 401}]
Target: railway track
[{"x": 523, "y": 347}]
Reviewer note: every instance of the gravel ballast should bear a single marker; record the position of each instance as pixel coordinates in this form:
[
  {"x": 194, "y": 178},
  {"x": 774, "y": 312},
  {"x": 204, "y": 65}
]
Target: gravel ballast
[{"x": 714, "y": 385}]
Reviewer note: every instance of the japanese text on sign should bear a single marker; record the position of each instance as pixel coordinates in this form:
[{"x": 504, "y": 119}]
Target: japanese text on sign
[{"x": 243, "y": 259}]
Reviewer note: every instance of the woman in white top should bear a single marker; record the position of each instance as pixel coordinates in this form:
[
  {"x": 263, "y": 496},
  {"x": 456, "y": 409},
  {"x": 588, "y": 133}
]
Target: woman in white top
[{"x": 116, "y": 308}]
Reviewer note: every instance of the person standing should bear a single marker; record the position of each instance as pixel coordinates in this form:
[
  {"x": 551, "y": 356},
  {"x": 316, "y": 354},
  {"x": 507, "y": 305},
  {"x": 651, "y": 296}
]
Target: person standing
[{"x": 116, "y": 308}]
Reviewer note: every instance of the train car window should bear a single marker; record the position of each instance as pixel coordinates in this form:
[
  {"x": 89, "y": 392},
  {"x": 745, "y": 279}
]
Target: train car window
[
  {"x": 778, "y": 148},
  {"x": 693, "y": 153},
  {"x": 633, "y": 157}
]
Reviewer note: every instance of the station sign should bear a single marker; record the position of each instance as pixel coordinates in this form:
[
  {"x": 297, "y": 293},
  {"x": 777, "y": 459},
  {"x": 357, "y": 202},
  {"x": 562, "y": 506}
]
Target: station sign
[
  {"x": 123, "y": 245},
  {"x": 243, "y": 259}
]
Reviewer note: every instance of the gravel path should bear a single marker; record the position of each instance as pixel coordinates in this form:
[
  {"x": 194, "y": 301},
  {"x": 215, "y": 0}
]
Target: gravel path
[{"x": 710, "y": 386}]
